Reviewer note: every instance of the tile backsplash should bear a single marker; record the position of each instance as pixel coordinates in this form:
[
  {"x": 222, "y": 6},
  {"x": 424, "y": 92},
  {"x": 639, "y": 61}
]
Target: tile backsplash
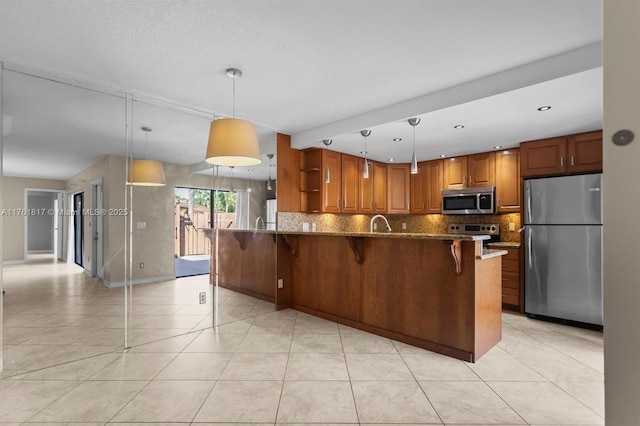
[{"x": 429, "y": 224}]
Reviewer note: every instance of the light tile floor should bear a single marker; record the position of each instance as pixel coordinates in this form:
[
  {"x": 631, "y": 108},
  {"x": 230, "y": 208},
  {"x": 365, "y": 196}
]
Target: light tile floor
[{"x": 63, "y": 334}]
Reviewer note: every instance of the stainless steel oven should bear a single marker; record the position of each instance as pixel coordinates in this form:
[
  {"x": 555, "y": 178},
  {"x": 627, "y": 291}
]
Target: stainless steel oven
[
  {"x": 490, "y": 229},
  {"x": 469, "y": 200}
]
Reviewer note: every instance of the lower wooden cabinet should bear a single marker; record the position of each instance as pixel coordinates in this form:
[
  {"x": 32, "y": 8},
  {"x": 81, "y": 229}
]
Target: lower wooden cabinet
[{"x": 511, "y": 279}]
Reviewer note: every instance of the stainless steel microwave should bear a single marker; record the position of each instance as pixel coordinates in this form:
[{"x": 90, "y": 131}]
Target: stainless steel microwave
[{"x": 469, "y": 200}]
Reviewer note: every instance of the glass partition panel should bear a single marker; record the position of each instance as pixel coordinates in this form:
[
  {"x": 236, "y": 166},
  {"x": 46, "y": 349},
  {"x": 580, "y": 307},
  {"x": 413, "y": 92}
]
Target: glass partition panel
[
  {"x": 173, "y": 244},
  {"x": 62, "y": 240}
]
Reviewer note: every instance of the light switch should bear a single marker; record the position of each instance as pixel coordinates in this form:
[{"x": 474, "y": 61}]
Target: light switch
[{"x": 141, "y": 225}]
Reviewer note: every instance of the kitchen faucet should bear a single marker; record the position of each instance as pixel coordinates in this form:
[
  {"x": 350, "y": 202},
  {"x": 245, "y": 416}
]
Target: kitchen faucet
[
  {"x": 259, "y": 218},
  {"x": 383, "y": 218}
]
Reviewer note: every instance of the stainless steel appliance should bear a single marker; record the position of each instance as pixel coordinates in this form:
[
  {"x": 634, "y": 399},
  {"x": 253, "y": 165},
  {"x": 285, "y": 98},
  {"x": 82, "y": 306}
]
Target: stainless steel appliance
[
  {"x": 469, "y": 200},
  {"x": 563, "y": 248},
  {"x": 490, "y": 229},
  {"x": 271, "y": 214}
]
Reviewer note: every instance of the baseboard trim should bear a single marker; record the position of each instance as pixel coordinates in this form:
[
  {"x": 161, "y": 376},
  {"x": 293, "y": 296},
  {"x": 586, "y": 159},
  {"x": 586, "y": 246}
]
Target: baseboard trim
[
  {"x": 13, "y": 262},
  {"x": 116, "y": 284}
]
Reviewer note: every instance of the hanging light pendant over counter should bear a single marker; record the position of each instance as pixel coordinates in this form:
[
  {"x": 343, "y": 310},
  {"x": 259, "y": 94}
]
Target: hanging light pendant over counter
[
  {"x": 365, "y": 167},
  {"x": 232, "y": 141},
  {"x": 146, "y": 172},
  {"x": 414, "y": 161}
]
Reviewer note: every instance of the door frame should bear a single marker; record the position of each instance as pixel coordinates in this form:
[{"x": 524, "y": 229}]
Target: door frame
[
  {"x": 97, "y": 229},
  {"x": 60, "y": 193}
]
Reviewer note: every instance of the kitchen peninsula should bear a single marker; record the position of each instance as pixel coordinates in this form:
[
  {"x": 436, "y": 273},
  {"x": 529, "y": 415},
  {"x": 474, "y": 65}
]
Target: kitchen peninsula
[{"x": 440, "y": 292}]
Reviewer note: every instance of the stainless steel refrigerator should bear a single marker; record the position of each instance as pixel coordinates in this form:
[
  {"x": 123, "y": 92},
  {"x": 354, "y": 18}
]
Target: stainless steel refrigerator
[{"x": 563, "y": 248}]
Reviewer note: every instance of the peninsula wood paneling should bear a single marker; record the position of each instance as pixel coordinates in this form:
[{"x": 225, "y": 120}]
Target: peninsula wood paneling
[
  {"x": 326, "y": 277},
  {"x": 402, "y": 288},
  {"x": 423, "y": 297},
  {"x": 247, "y": 263}
]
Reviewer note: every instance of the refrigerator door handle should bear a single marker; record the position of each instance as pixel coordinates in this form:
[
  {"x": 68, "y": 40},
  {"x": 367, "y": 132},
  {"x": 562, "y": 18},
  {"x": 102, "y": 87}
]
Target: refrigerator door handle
[
  {"x": 530, "y": 246},
  {"x": 528, "y": 189}
]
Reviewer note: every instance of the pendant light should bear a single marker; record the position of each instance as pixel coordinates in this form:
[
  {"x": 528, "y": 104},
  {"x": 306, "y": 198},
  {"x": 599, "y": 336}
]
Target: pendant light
[
  {"x": 232, "y": 141},
  {"x": 269, "y": 186},
  {"x": 146, "y": 172},
  {"x": 414, "y": 161},
  {"x": 365, "y": 169},
  {"x": 327, "y": 172}
]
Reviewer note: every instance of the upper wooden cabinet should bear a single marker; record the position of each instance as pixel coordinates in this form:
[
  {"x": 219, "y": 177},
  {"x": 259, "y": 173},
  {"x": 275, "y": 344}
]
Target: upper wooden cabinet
[
  {"x": 455, "y": 172},
  {"x": 435, "y": 184},
  {"x": 543, "y": 157},
  {"x": 482, "y": 169},
  {"x": 398, "y": 192},
  {"x": 332, "y": 190},
  {"x": 366, "y": 193},
  {"x": 380, "y": 189},
  {"x": 584, "y": 151},
  {"x": 426, "y": 188},
  {"x": 469, "y": 171},
  {"x": 508, "y": 181},
  {"x": 373, "y": 190},
  {"x": 316, "y": 194},
  {"x": 419, "y": 190},
  {"x": 350, "y": 184},
  {"x": 573, "y": 154}
]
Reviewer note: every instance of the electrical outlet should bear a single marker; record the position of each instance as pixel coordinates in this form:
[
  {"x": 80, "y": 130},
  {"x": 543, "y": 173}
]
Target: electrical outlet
[
  {"x": 280, "y": 283},
  {"x": 404, "y": 225},
  {"x": 141, "y": 265},
  {"x": 203, "y": 298},
  {"x": 512, "y": 226}
]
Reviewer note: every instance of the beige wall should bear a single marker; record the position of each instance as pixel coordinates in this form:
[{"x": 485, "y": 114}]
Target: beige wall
[
  {"x": 621, "y": 212},
  {"x": 111, "y": 170},
  {"x": 154, "y": 246},
  {"x": 14, "y": 225}
]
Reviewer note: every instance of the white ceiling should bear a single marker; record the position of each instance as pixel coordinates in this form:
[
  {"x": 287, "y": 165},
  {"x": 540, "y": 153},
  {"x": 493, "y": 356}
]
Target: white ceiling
[{"x": 312, "y": 69}]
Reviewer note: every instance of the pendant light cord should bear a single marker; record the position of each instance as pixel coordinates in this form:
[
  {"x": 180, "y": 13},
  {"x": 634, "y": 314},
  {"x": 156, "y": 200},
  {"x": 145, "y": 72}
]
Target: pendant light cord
[{"x": 234, "y": 95}]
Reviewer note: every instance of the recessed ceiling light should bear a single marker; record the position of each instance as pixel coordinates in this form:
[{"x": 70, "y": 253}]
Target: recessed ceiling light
[
  {"x": 458, "y": 126},
  {"x": 391, "y": 160},
  {"x": 497, "y": 147},
  {"x": 397, "y": 139},
  {"x": 443, "y": 155},
  {"x": 544, "y": 108}
]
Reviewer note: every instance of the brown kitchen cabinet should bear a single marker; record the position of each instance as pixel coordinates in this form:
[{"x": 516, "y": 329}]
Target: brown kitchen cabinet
[
  {"x": 470, "y": 171},
  {"x": 317, "y": 195},
  {"x": 584, "y": 152},
  {"x": 455, "y": 172},
  {"x": 508, "y": 181},
  {"x": 373, "y": 190},
  {"x": 398, "y": 188},
  {"x": 573, "y": 154},
  {"x": 435, "y": 183},
  {"x": 426, "y": 188},
  {"x": 350, "y": 184},
  {"x": 418, "y": 188},
  {"x": 511, "y": 279}
]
